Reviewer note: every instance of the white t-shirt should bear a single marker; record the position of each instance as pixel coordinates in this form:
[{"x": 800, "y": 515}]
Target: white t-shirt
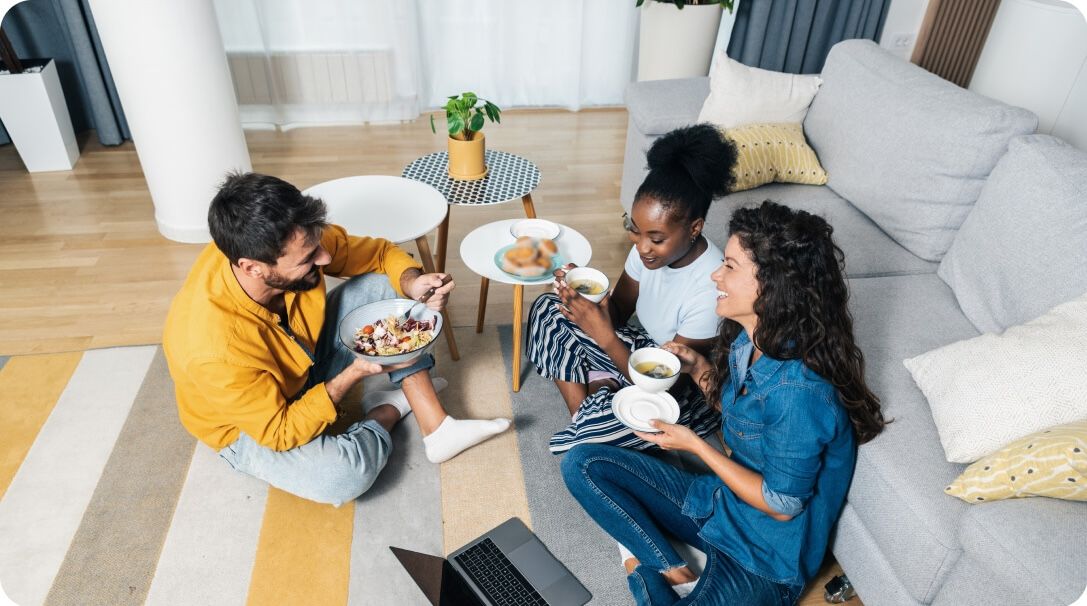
[{"x": 677, "y": 301}]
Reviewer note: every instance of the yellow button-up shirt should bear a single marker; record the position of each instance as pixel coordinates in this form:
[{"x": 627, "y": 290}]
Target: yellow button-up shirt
[{"x": 234, "y": 367}]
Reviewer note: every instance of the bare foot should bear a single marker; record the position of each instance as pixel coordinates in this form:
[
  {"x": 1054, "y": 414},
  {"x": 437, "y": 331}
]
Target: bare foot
[{"x": 678, "y": 576}]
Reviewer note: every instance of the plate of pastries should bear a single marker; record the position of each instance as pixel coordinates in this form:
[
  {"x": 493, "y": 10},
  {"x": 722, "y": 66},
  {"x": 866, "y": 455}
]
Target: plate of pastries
[{"x": 529, "y": 258}]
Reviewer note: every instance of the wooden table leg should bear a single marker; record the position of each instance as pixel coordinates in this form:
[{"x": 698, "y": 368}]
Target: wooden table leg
[
  {"x": 428, "y": 266},
  {"x": 530, "y": 210},
  {"x": 518, "y": 294},
  {"x": 482, "y": 311},
  {"x": 443, "y": 242}
]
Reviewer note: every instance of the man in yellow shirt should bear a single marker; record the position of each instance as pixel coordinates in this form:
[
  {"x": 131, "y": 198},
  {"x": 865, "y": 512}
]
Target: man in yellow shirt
[{"x": 258, "y": 368}]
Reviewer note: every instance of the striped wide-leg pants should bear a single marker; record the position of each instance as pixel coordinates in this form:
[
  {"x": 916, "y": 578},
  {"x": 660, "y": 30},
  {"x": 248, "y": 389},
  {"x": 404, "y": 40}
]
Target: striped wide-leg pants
[{"x": 560, "y": 350}]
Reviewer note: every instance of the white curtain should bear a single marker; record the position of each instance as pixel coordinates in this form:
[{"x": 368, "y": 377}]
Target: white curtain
[{"x": 303, "y": 62}]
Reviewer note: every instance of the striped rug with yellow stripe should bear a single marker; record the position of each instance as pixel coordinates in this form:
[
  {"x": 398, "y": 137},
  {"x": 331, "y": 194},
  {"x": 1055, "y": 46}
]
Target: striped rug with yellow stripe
[{"x": 105, "y": 499}]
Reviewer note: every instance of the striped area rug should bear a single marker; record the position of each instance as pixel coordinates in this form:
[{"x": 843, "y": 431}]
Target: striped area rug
[{"x": 105, "y": 499}]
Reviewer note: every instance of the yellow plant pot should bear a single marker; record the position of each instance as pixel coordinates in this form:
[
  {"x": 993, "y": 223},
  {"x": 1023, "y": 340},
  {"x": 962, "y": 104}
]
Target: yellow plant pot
[{"x": 466, "y": 158}]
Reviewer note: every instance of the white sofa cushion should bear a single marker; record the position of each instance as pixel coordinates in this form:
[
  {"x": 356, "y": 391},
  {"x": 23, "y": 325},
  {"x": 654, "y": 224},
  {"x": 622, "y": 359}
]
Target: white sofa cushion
[
  {"x": 986, "y": 391},
  {"x": 744, "y": 95}
]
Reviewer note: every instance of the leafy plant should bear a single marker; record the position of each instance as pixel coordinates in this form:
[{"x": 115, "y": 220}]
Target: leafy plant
[
  {"x": 464, "y": 115},
  {"x": 728, "y": 5},
  {"x": 7, "y": 55}
]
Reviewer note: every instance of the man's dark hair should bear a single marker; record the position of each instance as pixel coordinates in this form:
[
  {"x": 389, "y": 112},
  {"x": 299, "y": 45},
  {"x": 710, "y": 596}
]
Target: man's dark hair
[{"x": 254, "y": 216}]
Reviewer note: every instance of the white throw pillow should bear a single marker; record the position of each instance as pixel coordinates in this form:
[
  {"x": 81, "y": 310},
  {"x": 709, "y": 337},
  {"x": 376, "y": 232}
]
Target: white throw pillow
[
  {"x": 743, "y": 95},
  {"x": 987, "y": 391}
]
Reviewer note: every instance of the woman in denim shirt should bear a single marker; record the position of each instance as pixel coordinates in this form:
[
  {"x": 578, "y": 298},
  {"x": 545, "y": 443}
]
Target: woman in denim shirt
[{"x": 790, "y": 382}]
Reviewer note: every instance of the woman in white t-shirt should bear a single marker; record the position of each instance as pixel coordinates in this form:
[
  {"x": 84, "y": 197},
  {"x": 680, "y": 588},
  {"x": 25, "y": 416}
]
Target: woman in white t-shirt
[{"x": 584, "y": 346}]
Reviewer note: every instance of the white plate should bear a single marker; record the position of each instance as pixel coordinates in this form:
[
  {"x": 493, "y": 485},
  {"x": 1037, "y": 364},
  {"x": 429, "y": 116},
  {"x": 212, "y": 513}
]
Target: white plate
[
  {"x": 535, "y": 228},
  {"x": 635, "y": 407}
]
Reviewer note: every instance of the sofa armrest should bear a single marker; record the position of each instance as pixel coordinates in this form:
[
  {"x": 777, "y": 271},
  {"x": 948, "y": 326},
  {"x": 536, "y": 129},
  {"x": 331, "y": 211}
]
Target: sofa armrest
[{"x": 658, "y": 106}]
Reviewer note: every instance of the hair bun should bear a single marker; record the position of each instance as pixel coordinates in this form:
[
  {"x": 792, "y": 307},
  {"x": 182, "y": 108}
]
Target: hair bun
[{"x": 701, "y": 152}]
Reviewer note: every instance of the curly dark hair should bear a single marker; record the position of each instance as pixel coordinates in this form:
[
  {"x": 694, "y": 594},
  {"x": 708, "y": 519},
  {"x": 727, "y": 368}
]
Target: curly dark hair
[
  {"x": 688, "y": 168},
  {"x": 801, "y": 307},
  {"x": 254, "y": 216}
]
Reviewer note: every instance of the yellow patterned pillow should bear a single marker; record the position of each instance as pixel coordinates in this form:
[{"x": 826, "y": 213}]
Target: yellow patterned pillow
[
  {"x": 1050, "y": 463},
  {"x": 774, "y": 152}
]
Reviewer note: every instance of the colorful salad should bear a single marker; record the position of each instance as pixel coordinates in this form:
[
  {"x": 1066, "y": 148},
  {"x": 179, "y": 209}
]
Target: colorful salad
[{"x": 394, "y": 335}]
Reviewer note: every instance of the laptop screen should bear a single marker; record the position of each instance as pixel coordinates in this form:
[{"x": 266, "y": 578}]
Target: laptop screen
[{"x": 440, "y": 582}]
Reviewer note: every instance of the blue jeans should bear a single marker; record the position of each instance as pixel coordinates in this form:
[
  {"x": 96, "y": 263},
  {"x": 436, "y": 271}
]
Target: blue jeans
[
  {"x": 330, "y": 468},
  {"x": 636, "y": 497}
]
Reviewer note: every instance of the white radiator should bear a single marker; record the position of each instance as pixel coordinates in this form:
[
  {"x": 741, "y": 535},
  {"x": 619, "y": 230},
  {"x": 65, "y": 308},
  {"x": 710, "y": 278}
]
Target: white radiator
[{"x": 278, "y": 78}]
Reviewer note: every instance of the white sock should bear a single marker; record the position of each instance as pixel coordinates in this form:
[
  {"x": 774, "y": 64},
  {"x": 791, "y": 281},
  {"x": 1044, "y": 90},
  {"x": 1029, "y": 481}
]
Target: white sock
[
  {"x": 396, "y": 397},
  {"x": 685, "y": 589},
  {"x": 456, "y": 435}
]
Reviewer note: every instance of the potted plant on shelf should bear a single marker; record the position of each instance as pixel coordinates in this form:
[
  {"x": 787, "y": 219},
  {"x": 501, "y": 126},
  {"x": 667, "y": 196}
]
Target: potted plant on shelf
[
  {"x": 34, "y": 113},
  {"x": 677, "y": 37},
  {"x": 465, "y": 115}
]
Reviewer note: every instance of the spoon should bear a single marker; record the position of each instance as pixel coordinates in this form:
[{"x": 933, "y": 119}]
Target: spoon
[{"x": 426, "y": 296}]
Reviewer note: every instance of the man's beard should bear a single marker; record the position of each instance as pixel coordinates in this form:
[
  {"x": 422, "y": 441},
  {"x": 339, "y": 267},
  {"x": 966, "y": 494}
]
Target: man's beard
[{"x": 306, "y": 282}]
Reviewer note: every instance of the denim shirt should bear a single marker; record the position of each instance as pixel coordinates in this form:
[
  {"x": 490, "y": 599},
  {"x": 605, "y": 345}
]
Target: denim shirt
[{"x": 791, "y": 428}]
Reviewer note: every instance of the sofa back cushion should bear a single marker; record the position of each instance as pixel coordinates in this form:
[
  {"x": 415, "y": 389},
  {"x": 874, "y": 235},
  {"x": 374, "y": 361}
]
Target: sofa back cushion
[
  {"x": 907, "y": 148},
  {"x": 1023, "y": 249}
]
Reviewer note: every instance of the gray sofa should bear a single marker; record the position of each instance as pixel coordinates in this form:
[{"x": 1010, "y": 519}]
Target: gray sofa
[{"x": 954, "y": 219}]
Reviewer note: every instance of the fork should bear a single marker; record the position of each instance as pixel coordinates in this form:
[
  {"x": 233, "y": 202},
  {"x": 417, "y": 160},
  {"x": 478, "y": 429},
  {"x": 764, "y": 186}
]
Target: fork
[{"x": 426, "y": 295}]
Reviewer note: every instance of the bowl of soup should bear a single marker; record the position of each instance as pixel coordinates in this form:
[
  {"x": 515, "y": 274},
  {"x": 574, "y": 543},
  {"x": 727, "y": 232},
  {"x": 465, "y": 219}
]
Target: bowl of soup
[
  {"x": 588, "y": 282},
  {"x": 653, "y": 369}
]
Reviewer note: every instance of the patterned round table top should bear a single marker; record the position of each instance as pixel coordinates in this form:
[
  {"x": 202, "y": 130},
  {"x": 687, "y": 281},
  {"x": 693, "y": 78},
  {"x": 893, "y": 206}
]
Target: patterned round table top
[{"x": 509, "y": 177}]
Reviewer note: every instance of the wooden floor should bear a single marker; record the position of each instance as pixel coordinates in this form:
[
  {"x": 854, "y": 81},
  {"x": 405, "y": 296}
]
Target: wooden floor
[{"x": 83, "y": 266}]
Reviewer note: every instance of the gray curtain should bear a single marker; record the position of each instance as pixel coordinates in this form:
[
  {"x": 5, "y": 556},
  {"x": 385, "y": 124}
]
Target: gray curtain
[
  {"x": 794, "y": 36},
  {"x": 64, "y": 31}
]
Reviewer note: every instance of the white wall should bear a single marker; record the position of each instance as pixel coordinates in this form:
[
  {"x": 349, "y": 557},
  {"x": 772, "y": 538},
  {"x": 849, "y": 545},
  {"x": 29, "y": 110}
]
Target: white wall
[
  {"x": 901, "y": 26},
  {"x": 1036, "y": 57}
]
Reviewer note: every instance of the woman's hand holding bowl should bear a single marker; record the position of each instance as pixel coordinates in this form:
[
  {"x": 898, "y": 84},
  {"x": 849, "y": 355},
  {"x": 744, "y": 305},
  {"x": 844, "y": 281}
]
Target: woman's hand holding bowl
[
  {"x": 593, "y": 318},
  {"x": 689, "y": 359}
]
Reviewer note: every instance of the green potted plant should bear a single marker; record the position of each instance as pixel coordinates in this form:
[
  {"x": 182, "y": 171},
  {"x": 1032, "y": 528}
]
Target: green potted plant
[{"x": 465, "y": 115}]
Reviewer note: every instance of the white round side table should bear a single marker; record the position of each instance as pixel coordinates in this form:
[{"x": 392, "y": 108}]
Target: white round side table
[
  {"x": 478, "y": 250},
  {"x": 394, "y": 208}
]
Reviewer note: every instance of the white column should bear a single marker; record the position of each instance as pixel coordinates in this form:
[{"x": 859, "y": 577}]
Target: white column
[{"x": 171, "y": 73}]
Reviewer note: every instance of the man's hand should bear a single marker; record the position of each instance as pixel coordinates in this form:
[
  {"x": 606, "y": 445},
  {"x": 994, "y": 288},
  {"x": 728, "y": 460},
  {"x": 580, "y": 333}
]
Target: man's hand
[
  {"x": 358, "y": 370},
  {"x": 672, "y": 437},
  {"x": 424, "y": 282}
]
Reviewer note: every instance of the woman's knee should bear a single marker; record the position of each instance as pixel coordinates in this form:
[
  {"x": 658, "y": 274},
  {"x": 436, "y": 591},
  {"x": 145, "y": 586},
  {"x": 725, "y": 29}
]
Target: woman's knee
[
  {"x": 576, "y": 463},
  {"x": 544, "y": 305}
]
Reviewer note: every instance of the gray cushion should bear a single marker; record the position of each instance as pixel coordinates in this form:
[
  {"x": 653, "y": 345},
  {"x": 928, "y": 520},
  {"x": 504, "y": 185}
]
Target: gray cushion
[
  {"x": 898, "y": 486},
  {"x": 658, "y": 106},
  {"x": 907, "y": 148},
  {"x": 1043, "y": 540},
  {"x": 868, "y": 251},
  {"x": 1023, "y": 249}
]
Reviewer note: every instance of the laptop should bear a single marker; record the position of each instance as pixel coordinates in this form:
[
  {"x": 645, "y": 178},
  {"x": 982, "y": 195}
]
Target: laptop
[{"x": 507, "y": 566}]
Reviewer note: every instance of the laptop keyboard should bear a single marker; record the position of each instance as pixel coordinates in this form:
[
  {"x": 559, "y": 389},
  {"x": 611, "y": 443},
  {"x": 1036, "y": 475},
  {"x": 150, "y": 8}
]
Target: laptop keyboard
[{"x": 492, "y": 572}]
